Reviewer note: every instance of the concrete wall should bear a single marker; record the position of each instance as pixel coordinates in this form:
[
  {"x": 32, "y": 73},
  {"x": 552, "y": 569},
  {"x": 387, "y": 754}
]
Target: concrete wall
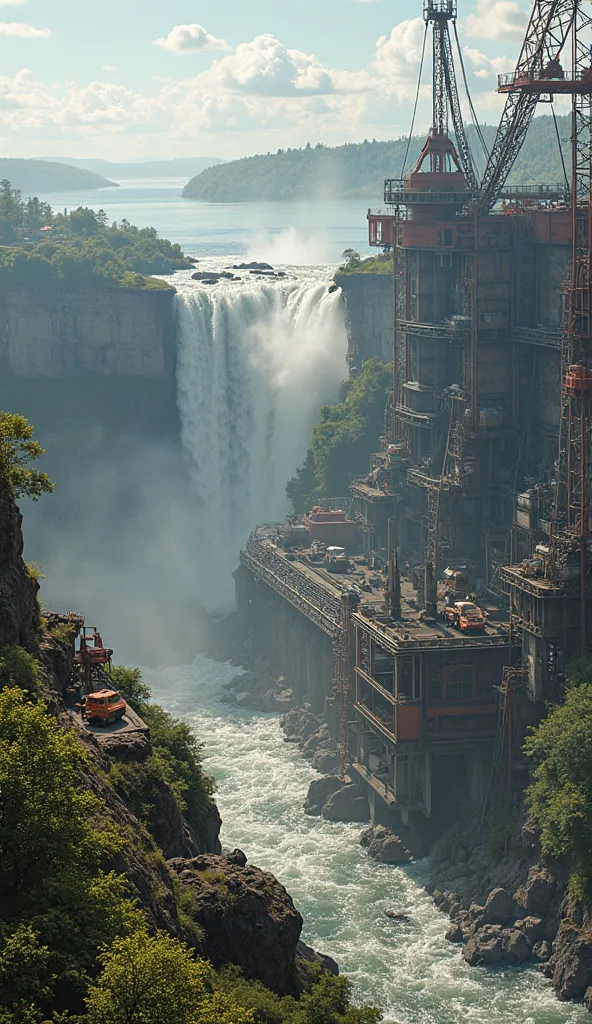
[
  {"x": 368, "y": 315},
  {"x": 123, "y": 333}
]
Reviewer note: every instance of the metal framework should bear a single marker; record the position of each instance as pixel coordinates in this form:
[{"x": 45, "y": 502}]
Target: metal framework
[
  {"x": 548, "y": 30},
  {"x": 439, "y": 13},
  {"x": 572, "y": 530}
]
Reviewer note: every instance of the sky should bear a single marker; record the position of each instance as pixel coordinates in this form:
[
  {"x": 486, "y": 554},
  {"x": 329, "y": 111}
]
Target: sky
[{"x": 144, "y": 79}]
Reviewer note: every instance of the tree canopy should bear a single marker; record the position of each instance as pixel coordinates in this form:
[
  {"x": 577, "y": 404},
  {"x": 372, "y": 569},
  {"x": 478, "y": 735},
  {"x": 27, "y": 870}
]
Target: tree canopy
[
  {"x": 343, "y": 439},
  {"x": 17, "y": 449},
  {"x": 560, "y": 795},
  {"x": 40, "y": 248},
  {"x": 359, "y": 169}
]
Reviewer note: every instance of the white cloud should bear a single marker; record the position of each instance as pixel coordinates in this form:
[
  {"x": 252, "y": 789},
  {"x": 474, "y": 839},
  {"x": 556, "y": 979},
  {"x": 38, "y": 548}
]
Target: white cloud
[
  {"x": 398, "y": 55},
  {"x": 190, "y": 39},
  {"x": 265, "y": 67},
  {"x": 109, "y": 67},
  {"x": 11, "y": 3},
  {"x": 502, "y": 19},
  {"x": 19, "y": 30}
]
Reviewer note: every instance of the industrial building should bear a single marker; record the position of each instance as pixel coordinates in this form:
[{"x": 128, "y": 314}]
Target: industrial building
[{"x": 485, "y": 470}]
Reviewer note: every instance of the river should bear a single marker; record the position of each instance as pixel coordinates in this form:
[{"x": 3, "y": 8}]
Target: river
[{"x": 409, "y": 970}]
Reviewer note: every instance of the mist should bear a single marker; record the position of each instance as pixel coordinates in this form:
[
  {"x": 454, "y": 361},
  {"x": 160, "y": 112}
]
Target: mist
[{"x": 143, "y": 533}]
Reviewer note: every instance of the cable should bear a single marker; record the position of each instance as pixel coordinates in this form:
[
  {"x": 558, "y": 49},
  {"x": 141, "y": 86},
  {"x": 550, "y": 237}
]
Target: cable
[
  {"x": 466, "y": 84},
  {"x": 565, "y": 178},
  {"x": 425, "y": 35}
]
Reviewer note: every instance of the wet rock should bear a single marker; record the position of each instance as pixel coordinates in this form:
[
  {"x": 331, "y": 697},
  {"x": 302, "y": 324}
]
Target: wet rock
[
  {"x": 346, "y": 804},
  {"x": 541, "y": 951},
  {"x": 588, "y": 999},
  {"x": 237, "y": 857},
  {"x": 498, "y": 909},
  {"x": 537, "y": 892},
  {"x": 398, "y": 916},
  {"x": 319, "y": 791},
  {"x": 515, "y": 946},
  {"x": 315, "y": 740},
  {"x": 485, "y": 946},
  {"x": 311, "y": 956},
  {"x": 333, "y": 288},
  {"x": 325, "y": 761},
  {"x": 389, "y": 850},
  {"x": 252, "y": 266},
  {"x": 454, "y": 933},
  {"x": 572, "y": 962},
  {"x": 531, "y": 926}
]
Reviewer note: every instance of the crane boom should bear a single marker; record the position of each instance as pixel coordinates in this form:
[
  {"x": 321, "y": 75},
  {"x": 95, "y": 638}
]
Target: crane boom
[{"x": 547, "y": 31}]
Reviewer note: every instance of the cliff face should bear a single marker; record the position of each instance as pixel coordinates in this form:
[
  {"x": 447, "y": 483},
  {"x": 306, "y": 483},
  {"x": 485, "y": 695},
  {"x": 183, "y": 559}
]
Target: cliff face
[
  {"x": 19, "y": 613},
  {"x": 368, "y": 316},
  {"x": 88, "y": 332}
]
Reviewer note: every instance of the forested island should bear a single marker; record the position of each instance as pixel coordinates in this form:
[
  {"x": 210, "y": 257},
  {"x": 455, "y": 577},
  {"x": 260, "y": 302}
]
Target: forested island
[
  {"x": 50, "y": 176},
  {"x": 39, "y": 247},
  {"x": 358, "y": 170}
]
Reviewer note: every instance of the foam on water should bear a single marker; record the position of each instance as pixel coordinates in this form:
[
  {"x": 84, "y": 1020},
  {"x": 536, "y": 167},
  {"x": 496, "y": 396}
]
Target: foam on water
[{"x": 409, "y": 970}]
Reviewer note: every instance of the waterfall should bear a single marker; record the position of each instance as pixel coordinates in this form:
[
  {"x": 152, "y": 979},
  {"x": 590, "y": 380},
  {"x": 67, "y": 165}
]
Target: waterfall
[{"x": 255, "y": 361}]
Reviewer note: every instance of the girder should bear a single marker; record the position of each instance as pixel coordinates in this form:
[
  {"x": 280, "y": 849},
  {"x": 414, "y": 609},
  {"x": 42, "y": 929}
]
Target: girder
[{"x": 546, "y": 35}]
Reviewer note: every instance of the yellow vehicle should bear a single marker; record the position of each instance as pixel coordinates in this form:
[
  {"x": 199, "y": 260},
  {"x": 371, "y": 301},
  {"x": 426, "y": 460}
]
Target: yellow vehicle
[
  {"x": 466, "y": 616},
  {"x": 104, "y": 707},
  {"x": 336, "y": 560}
]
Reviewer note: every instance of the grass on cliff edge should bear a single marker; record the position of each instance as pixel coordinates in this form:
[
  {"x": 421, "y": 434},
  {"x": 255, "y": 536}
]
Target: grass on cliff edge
[{"x": 354, "y": 264}]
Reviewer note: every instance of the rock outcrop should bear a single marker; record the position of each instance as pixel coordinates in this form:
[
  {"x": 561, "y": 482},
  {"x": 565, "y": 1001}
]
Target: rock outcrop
[
  {"x": 247, "y": 918},
  {"x": 384, "y": 846},
  {"x": 19, "y": 612}
]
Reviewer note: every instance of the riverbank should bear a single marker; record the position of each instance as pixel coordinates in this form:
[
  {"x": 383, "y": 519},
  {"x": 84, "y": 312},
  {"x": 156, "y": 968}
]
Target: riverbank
[{"x": 409, "y": 969}]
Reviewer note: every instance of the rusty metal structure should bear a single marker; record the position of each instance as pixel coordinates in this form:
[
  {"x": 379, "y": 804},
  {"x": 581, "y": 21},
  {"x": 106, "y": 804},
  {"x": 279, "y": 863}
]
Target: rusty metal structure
[{"x": 484, "y": 477}]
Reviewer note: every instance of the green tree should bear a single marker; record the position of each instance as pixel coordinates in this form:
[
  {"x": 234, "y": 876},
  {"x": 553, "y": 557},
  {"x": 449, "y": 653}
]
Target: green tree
[
  {"x": 46, "y": 816},
  {"x": 560, "y": 795},
  {"x": 131, "y": 686},
  {"x": 344, "y": 438},
  {"x": 17, "y": 450},
  {"x": 157, "y": 980}
]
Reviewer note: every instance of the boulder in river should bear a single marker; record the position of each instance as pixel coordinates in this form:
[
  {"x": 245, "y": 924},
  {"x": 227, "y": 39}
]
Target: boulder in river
[
  {"x": 346, "y": 804},
  {"x": 485, "y": 946},
  {"x": 319, "y": 791}
]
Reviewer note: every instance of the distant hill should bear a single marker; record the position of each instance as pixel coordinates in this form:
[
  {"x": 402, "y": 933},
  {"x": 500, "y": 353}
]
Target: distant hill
[
  {"x": 357, "y": 170},
  {"x": 38, "y": 176},
  {"x": 186, "y": 166}
]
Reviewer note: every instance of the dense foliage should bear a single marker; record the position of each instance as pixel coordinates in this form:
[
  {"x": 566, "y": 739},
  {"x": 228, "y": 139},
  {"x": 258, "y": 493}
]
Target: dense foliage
[
  {"x": 73, "y": 945},
  {"x": 359, "y": 169},
  {"x": 344, "y": 438},
  {"x": 176, "y": 759},
  {"x": 354, "y": 264},
  {"x": 17, "y": 450},
  {"x": 560, "y": 795},
  {"x": 41, "y": 248}
]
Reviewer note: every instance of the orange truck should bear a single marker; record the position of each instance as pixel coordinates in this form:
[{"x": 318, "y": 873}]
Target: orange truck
[
  {"x": 466, "y": 616},
  {"x": 104, "y": 707}
]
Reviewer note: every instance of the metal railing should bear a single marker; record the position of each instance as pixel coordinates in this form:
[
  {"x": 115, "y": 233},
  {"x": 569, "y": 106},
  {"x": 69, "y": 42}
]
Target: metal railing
[
  {"x": 297, "y": 587},
  {"x": 446, "y": 329},
  {"x": 538, "y": 77},
  {"x": 397, "y": 191},
  {"x": 544, "y": 336}
]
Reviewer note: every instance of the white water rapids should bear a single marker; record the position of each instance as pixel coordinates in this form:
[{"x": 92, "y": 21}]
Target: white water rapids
[
  {"x": 407, "y": 969},
  {"x": 255, "y": 360}
]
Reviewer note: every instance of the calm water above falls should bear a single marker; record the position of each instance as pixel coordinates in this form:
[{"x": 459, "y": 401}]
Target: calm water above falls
[
  {"x": 409, "y": 970},
  {"x": 288, "y": 232}
]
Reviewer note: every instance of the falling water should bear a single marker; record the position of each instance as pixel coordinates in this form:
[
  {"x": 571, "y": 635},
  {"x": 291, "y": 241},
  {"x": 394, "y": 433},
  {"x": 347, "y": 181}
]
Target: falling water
[{"x": 255, "y": 360}]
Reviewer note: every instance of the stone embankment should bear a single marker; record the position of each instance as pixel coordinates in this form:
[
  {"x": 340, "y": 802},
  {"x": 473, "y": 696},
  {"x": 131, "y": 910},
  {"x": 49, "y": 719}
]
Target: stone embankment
[{"x": 517, "y": 910}]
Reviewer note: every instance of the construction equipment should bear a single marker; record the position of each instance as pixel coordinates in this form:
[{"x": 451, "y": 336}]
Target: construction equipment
[
  {"x": 92, "y": 659},
  {"x": 336, "y": 560},
  {"x": 466, "y": 616},
  {"x": 103, "y": 707}
]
